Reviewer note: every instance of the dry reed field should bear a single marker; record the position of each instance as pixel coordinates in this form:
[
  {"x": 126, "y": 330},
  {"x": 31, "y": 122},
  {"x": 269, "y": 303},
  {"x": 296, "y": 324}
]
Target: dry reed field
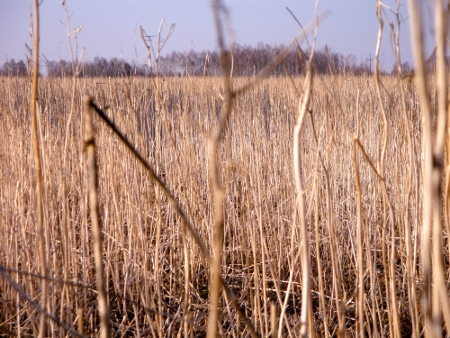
[
  {"x": 148, "y": 255},
  {"x": 313, "y": 206}
]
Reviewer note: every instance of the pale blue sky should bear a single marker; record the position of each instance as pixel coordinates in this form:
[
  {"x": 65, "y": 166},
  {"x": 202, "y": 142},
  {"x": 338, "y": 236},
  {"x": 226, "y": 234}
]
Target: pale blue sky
[{"x": 111, "y": 26}]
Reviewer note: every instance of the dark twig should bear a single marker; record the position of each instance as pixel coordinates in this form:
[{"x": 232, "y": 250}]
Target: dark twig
[
  {"x": 49, "y": 279},
  {"x": 105, "y": 330},
  {"x": 178, "y": 208},
  {"x": 36, "y": 305}
]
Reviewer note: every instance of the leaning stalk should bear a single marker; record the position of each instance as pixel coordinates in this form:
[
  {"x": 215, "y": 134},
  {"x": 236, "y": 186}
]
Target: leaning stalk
[
  {"x": 306, "y": 265},
  {"x": 96, "y": 227}
]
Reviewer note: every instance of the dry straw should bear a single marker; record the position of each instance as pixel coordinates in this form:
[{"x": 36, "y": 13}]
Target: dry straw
[
  {"x": 42, "y": 243},
  {"x": 232, "y": 206},
  {"x": 103, "y": 306},
  {"x": 435, "y": 294}
]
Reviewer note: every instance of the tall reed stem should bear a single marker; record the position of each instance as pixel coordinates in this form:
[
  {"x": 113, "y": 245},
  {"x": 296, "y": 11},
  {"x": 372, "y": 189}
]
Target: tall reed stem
[
  {"x": 216, "y": 187},
  {"x": 433, "y": 149},
  {"x": 96, "y": 226},
  {"x": 304, "y": 244},
  {"x": 37, "y": 163}
]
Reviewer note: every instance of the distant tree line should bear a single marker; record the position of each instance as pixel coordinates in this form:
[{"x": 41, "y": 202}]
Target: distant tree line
[
  {"x": 246, "y": 61},
  {"x": 13, "y": 68},
  {"x": 98, "y": 67}
]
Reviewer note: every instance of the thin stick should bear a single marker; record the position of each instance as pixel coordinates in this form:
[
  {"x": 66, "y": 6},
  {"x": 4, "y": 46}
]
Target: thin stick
[
  {"x": 322, "y": 304},
  {"x": 96, "y": 226},
  {"x": 427, "y": 167},
  {"x": 359, "y": 231},
  {"x": 44, "y": 312},
  {"x": 440, "y": 293},
  {"x": 394, "y": 321},
  {"x": 306, "y": 269},
  {"x": 412, "y": 294},
  {"x": 37, "y": 163},
  {"x": 216, "y": 186}
]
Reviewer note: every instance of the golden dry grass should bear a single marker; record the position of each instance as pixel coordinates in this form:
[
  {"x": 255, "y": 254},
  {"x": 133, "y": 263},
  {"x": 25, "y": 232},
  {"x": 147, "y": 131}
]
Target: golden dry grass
[{"x": 146, "y": 288}]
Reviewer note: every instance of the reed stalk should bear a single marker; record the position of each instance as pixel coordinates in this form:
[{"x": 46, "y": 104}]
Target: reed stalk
[
  {"x": 432, "y": 150},
  {"x": 103, "y": 306},
  {"x": 441, "y": 301},
  {"x": 306, "y": 325},
  {"x": 217, "y": 190},
  {"x": 38, "y": 169},
  {"x": 394, "y": 324}
]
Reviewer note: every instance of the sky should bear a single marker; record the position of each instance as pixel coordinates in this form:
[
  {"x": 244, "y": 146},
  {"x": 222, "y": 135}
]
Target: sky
[{"x": 110, "y": 28}]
